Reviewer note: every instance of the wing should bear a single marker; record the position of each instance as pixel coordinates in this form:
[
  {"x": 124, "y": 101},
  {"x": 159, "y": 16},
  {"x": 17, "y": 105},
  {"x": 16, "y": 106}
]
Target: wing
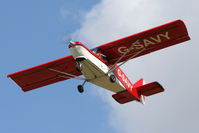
[
  {"x": 42, "y": 75},
  {"x": 151, "y": 40}
]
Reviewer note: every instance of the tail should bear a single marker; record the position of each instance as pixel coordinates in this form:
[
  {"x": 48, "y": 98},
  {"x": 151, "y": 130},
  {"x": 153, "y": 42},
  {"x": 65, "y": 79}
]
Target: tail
[
  {"x": 137, "y": 84},
  {"x": 138, "y": 92}
]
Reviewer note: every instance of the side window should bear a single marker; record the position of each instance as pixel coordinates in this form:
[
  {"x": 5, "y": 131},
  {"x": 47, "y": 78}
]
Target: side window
[
  {"x": 96, "y": 51},
  {"x": 104, "y": 57}
]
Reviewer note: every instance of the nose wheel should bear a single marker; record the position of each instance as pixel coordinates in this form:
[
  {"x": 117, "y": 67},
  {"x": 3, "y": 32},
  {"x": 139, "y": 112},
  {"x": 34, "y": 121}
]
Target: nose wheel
[{"x": 81, "y": 87}]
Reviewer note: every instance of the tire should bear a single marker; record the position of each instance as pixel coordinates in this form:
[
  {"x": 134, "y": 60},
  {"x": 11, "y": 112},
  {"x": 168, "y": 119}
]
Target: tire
[
  {"x": 112, "y": 78},
  {"x": 80, "y": 88}
]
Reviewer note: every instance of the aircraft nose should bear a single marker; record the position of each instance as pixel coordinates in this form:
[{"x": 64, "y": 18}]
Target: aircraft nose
[{"x": 71, "y": 44}]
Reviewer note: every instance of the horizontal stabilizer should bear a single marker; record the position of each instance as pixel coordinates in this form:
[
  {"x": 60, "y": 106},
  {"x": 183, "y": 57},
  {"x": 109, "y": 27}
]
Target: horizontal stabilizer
[
  {"x": 146, "y": 90},
  {"x": 150, "y": 89},
  {"x": 124, "y": 97}
]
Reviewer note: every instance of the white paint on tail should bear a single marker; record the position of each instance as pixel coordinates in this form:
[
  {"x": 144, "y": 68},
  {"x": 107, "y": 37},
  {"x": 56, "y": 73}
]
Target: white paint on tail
[{"x": 142, "y": 99}]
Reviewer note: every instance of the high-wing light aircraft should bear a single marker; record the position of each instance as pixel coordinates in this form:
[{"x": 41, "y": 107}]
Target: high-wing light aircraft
[{"x": 101, "y": 65}]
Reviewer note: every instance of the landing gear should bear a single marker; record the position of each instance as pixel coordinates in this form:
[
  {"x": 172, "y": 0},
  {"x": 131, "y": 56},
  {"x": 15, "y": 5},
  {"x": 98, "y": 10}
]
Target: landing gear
[
  {"x": 112, "y": 78},
  {"x": 81, "y": 87},
  {"x": 78, "y": 67}
]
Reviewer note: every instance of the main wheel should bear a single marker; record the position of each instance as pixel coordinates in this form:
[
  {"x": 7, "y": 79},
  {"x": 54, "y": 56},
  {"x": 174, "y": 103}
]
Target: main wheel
[
  {"x": 80, "y": 88},
  {"x": 112, "y": 78},
  {"x": 78, "y": 67}
]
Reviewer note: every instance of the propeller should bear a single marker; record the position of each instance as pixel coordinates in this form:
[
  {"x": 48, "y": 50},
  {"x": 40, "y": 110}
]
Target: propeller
[{"x": 67, "y": 39}]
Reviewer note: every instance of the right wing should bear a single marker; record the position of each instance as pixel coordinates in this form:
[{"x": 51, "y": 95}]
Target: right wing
[
  {"x": 41, "y": 75},
  {"x": 151, "y": 40}
]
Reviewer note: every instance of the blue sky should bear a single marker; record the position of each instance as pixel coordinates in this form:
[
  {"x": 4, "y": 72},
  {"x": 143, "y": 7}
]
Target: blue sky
[{"x": 33, "y": 32}]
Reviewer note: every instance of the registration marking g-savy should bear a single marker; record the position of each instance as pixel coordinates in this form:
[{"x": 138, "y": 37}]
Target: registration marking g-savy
[{"x": 144, "y": 43}]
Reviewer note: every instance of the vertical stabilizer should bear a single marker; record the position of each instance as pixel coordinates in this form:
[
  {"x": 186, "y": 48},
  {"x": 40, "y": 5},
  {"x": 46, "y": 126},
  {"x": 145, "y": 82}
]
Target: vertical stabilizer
[{"x": 137, "y": 84}]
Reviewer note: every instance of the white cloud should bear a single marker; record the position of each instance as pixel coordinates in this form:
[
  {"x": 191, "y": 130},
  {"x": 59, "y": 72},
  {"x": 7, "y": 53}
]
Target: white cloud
[{"x": 175, "y": 110}]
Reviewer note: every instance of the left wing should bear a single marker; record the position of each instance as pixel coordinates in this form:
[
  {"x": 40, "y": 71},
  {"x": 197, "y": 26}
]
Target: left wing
[
  {"x": 149, "y": 41},
  {"x": 43, "y": 74}
]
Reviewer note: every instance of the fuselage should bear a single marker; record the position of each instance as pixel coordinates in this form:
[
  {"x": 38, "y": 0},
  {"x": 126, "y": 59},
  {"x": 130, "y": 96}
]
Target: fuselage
[{"x": 96, "y": 70}]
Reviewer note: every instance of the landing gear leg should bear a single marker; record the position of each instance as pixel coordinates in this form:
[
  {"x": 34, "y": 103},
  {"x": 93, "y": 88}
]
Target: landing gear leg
[{"x": 81, "y": 87}]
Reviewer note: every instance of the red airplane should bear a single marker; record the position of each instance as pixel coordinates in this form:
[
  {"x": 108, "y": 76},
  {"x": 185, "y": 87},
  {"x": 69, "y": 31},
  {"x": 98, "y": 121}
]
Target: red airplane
[{"x": 101, "y": 65}]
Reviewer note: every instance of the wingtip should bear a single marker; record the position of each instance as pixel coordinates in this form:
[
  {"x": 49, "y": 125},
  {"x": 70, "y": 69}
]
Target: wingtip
[{"x": 160, "y": 85}]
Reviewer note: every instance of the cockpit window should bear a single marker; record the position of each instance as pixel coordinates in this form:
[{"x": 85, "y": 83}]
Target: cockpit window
[
  {"x": 99, "y": 54},
  {"x": 95, "y": 50},
  {"x": 104, "y": 57}
]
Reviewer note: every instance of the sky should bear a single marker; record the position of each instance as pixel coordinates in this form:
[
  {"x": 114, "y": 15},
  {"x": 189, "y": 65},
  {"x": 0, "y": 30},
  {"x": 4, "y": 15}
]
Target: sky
[{"x": 35, "y": 32}]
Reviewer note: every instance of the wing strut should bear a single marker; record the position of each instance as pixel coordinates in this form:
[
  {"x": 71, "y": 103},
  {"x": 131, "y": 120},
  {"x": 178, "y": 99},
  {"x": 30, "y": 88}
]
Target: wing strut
[
  {"x": 113, "y": 67},
  {"x": 66, "y": 75}
]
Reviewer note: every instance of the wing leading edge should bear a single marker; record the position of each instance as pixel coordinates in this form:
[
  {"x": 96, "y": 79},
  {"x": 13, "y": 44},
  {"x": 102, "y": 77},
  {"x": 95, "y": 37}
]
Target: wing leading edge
[
  {"x": 151, "y": 40},
  {"x": 43, "y": 75}
]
